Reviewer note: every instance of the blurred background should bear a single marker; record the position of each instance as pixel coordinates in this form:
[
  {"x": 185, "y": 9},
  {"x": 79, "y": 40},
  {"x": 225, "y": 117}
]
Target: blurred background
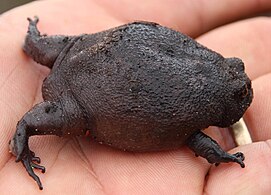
[{"x": 9, "y": 4}]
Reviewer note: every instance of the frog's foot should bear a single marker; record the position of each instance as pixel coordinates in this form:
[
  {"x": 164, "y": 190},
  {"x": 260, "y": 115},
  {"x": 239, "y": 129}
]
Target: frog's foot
[
  {"x": 19, "y": 147},
  {"x": 209, "y": 149},
  {"x": 237, "y": 157},
  {"x": 33, "y": 23},
  {"x": 30, "y": 161}
]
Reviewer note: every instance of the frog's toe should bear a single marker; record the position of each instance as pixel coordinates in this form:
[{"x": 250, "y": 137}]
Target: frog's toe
[
  {"x": 33, "y": 21},
  {"x": 36, "y": 159},
  {"x": 239, "y": 158},
  {"x": 29, "y": 163}
]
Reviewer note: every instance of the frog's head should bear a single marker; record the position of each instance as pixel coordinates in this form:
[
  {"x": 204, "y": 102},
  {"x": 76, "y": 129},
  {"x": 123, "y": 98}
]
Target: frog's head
[{"x": 238, "y": 92}]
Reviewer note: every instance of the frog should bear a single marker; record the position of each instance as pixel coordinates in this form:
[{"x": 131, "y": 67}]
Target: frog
[{"x": 138, "y": 87}]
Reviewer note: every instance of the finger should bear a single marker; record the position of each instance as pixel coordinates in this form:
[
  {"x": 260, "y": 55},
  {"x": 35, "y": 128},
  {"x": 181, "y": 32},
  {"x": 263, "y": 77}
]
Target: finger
[
  {"x": 191, "y": 17},
  {"x": 255, "y": 178},
  {"x": 59, "y": 20},
  {"x": 258, "y": 115},
  {"x": 249, "y": 39}
]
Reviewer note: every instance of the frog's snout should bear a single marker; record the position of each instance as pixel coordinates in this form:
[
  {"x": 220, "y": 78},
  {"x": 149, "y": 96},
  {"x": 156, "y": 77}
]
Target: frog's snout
[{"x": 12, "y": 147}]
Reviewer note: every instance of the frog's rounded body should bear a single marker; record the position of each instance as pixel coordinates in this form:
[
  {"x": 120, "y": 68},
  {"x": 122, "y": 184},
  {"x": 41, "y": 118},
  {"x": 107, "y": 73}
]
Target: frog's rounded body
[
  {"x": 146, "y": 87},
  {"x": 137, "y": 87}
]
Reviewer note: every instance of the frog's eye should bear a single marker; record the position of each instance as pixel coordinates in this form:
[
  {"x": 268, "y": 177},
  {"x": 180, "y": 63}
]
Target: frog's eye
[{"x": 244, "y": 91}]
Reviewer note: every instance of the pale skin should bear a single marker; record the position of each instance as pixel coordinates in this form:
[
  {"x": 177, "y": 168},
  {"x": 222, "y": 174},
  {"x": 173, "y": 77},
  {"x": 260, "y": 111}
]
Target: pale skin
[{"x": 81, "y": 166}]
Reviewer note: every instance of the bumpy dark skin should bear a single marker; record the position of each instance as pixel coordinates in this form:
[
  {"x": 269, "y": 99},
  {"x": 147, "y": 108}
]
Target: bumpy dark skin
[{"x": 138, "y": 87}]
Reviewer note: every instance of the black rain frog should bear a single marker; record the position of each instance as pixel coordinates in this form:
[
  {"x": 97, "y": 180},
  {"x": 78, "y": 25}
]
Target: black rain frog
[{"x": 138, "y": 87}]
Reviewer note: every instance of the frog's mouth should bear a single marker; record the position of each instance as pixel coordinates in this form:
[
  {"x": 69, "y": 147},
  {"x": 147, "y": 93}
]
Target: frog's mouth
[
  {"x": 247, "y": 95},
  {"x": 11, "y": 145},
  {"x": 244, "y": 98}
]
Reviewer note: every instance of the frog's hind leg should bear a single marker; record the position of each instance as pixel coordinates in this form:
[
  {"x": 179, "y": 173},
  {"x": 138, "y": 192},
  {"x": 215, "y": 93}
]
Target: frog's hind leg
[
  {"x": 209, "y": 149},
  {"x": 46, "y": 118},
  {"x": 42, "y": 48}
]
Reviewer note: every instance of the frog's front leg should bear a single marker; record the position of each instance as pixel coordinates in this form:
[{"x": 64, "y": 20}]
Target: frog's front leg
[
  {"x": 47, "y": 118},
  {"x": 209, "y": 149}
]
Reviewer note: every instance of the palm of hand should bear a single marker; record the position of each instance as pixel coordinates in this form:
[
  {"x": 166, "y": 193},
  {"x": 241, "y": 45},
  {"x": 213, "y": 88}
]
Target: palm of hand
[{"x": 80, "y": 166}]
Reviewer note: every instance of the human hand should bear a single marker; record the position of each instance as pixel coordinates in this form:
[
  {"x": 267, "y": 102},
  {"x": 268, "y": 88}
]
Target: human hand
[{"x": 77, "y": 165}]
